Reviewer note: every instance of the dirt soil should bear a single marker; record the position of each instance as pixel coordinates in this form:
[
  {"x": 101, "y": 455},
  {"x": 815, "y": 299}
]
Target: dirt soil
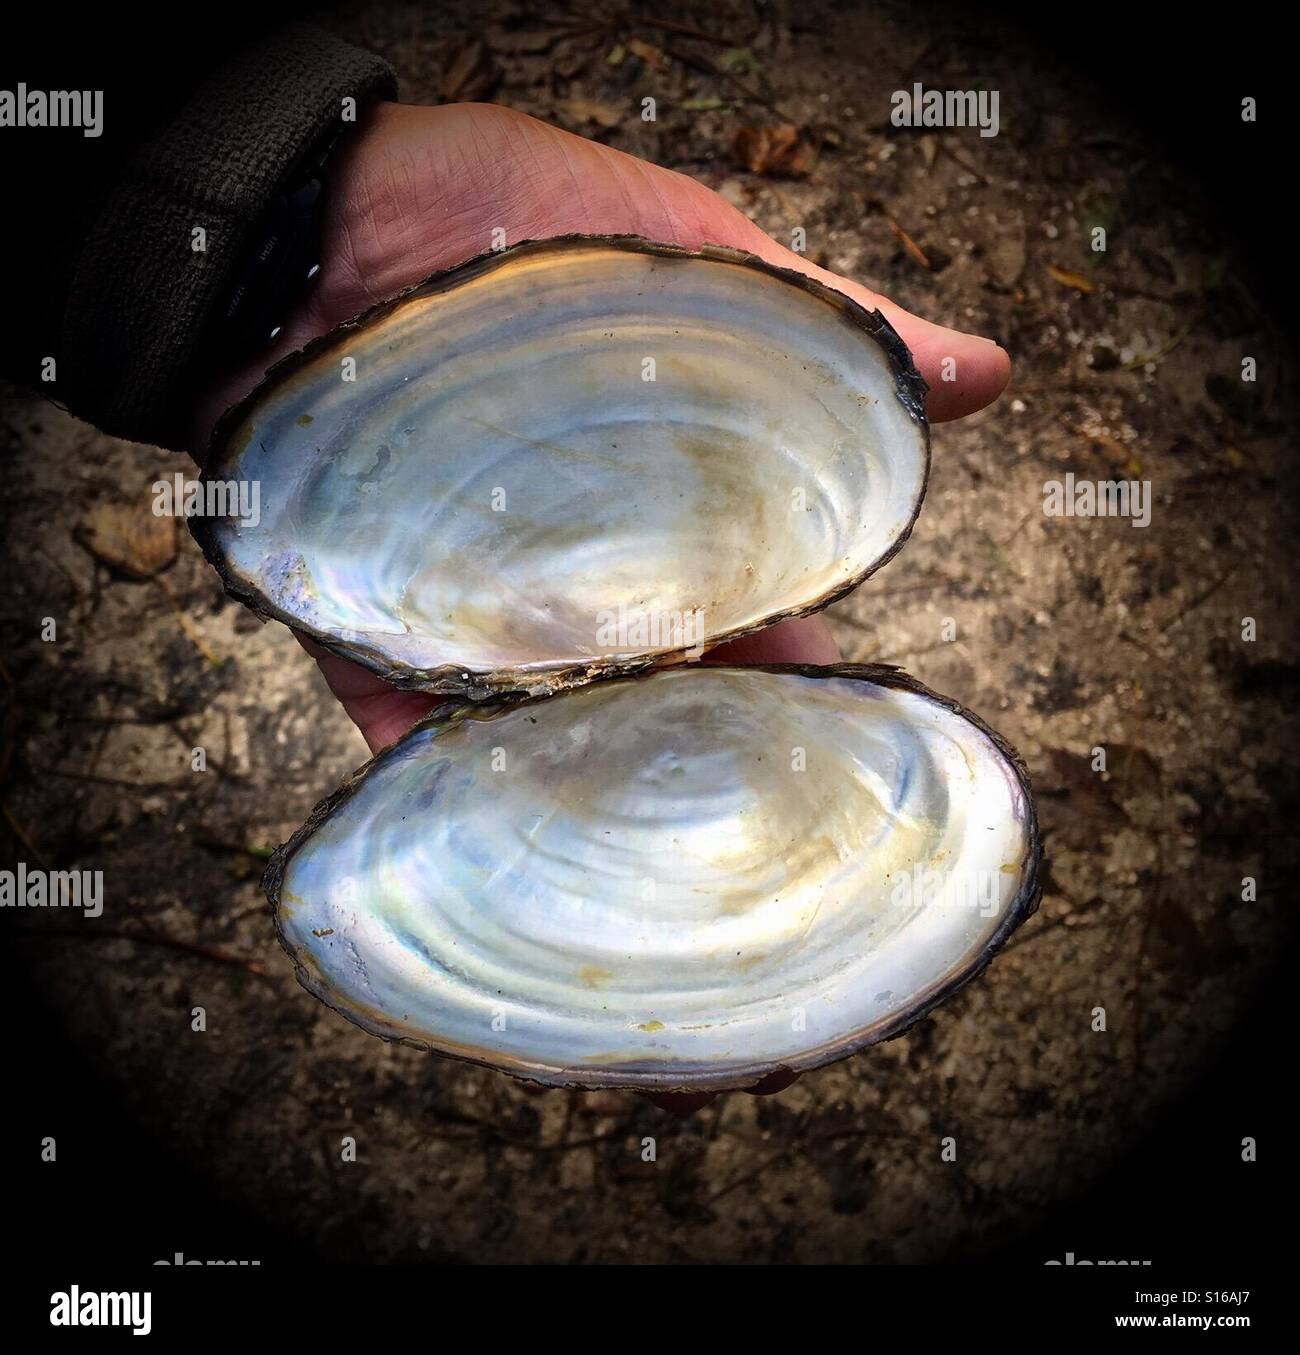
[{"x": 1070, "y": 634}]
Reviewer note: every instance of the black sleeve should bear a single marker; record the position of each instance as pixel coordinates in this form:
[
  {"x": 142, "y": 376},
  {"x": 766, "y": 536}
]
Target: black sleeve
[{"x": 124, "y": 237}]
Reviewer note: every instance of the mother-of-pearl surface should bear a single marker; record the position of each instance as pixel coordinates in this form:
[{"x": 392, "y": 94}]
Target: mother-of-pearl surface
[
  {"x": 685, "y": 879},
  {"x": 572, "y": 437}
]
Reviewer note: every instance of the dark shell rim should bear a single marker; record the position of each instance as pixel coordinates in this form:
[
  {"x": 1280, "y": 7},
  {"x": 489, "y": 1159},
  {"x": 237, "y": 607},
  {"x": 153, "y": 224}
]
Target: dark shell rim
[
  {"x": 448, "y": 713},
  {"x": 910, "y": 389}
]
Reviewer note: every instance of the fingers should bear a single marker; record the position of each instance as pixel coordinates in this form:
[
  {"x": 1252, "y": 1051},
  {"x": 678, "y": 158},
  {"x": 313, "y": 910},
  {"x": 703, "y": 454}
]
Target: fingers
[
  {"x": 687, "y": 1103},
  {"x": 494, "y": 167},
  {"x": 382, "y": 713},
  {"x": 680, "y": 1103},
  {"x": 977, "y": 375},
  {"x": 965, "y": 372},
  {"x": 423, "y": 189},
  {"x": 806, "y": 640}
]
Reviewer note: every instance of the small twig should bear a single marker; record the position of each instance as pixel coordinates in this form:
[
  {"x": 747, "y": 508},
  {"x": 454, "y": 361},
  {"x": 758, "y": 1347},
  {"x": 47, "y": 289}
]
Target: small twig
[
  {"x": 21, "y": 834},
  {"x": 923, "y": 587},
  {"x": 1137, "y": 644},
  {"x": 1024, "y": 939},
  {"x": 490, "y": 1131},
  {"x": 1017, "y": 529},
  {"x": 218, "y": 765},
  {"x": 685, "y": 30},
  {"x": 1126, "y": 289},
  {"x": 910, "y": 247},
  {"x": 919, "y": 56},
  {"x": 707, "y": 67},
  {"x": 748, "y": 1176},
  {"x": 871, "y": 1131},
  {"x": 834, "y": 616},
  {"x": 1203, "y": 596},
  {"x": 151, "y": 939},
  {"x": 77, "y": 589},
  {"x": 1163, "y": 352},
  {"x": 963, "y": 164},
  {"x": 188, "y": 626},
  {"x": 915, "y": 653},
  {"x": 790, "y": 210},
  {"x": 97, "y": 780},
  {"x": 221, "y": 845}
]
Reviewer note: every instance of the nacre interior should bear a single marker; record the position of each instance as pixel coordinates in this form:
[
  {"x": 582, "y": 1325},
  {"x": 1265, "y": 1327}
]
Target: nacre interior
[
  {"x": 685, "y": 879},
  {"x": 536, "y": 461}
]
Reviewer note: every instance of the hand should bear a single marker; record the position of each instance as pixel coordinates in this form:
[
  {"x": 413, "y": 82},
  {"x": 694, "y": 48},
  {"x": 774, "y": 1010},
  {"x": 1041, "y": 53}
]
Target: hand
[{"x": 422, "y": 189}]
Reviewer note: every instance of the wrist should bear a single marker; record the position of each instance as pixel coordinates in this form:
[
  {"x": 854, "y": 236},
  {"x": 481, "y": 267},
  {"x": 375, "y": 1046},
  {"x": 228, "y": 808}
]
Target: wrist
[{"x": 270, "y": 308}]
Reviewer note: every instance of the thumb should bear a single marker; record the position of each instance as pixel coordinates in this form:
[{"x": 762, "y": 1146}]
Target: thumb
[{"x": 965, "y": 372}]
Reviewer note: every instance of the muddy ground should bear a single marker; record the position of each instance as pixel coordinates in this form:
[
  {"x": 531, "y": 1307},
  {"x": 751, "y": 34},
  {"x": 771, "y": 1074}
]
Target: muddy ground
[{"x": 1071, "y": 634}]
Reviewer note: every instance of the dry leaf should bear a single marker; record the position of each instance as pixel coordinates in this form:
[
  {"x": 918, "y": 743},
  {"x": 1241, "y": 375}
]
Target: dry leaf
[
  {"x": 1116, "y": 455},
  {"x": 739, "y": 61},
  {"x": 1075, "y": 805},
  {"x": 1131, "y": 771},
  {"x": 129, "y": 538},
  {"x": 1004, "y": 261},
  {"x": 652, "y": 56},
  {"x": 524, "y": 41},
  {"x": 1179, "y": 944},
  {"x": 1075, "y": 280},
  {"x": 775, "y": 150},
  {"x": 594, "y": 111}
]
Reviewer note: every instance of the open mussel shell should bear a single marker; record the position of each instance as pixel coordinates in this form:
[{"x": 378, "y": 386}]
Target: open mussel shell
[
  {"x": 683, "y": 880},
  {"x": 575, "y": 457}
]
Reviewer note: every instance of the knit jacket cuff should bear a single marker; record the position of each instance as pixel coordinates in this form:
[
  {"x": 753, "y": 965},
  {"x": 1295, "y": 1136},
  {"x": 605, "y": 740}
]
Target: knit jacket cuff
[{"x": 172, "y": 234}]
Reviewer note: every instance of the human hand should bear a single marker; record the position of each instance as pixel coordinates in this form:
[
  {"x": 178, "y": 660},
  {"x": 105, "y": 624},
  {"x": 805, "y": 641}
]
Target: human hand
[
  {"x": 422, "y": 189},
  {"x": 419, "y": 190}
]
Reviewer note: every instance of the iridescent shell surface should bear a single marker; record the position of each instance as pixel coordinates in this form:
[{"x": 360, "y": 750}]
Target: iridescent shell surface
[
  {"x": 686, "y": 879},
  {"x": 523, "y": 472}
]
